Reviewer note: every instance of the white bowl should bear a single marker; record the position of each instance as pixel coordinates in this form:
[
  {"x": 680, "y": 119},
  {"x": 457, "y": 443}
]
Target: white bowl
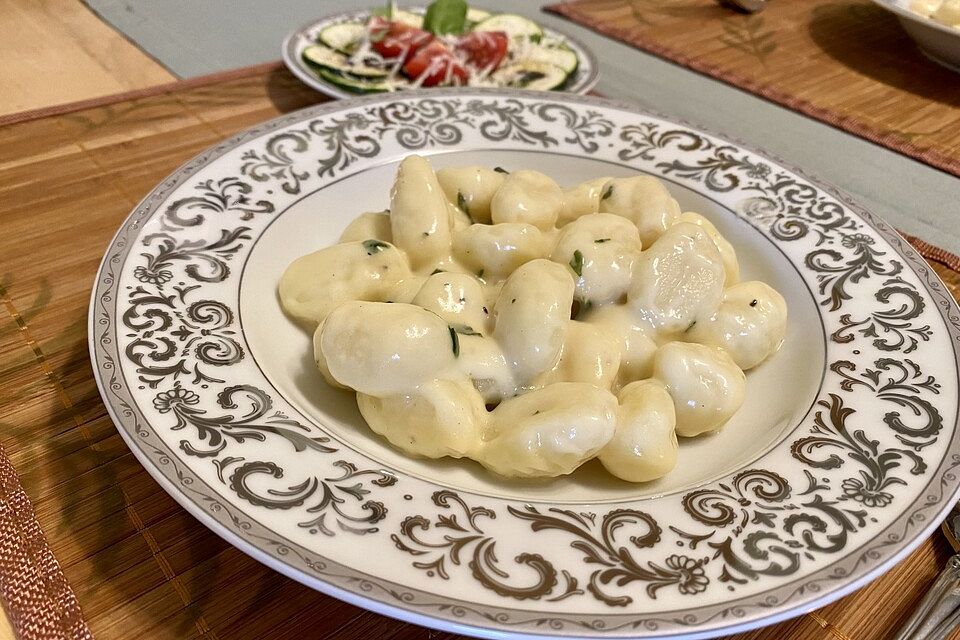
[{"x": 939, "y": 42}]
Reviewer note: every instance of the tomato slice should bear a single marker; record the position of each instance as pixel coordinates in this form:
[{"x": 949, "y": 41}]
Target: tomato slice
[
  {"x": 395, "y": 39},
  {"x": 484, "y": 49},
  {"x": 435, "y": 64}
]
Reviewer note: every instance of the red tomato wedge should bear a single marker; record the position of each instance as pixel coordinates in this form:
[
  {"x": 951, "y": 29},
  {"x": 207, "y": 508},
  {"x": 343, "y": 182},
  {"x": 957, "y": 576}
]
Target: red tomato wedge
[
  {"x": 436, "y": 64},
  {"x": 395, "y": 39},
  {"x": 484, "y": 49}
]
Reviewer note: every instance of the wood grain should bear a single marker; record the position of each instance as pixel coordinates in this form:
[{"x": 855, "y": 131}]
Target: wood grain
[
  {"x": 846, "y": 62},
  {"x": 141, "y": 566},
  {"x": 57, "y": 51}
]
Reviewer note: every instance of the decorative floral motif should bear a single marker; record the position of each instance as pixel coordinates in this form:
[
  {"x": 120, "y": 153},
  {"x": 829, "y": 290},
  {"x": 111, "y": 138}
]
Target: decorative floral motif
[
  {"x": 170, "y": 341},
  {"x": 256, "y": 424},
  {"x": 834, "y": 276},
  {"x": 209, "y": 257},
  {"x": 276, "y": 161},
  {"x": 333, "y": 493},
  {"x": 899, "y": 332},
  {"x": 583, "y": 128},
  {"x": 857, "y": 490},
  {"x": 690, "y": 572},
  {"x": 167, "y": 400},
  {"x": 221, "y": 196},
  {"x": 903, "y": 388}
]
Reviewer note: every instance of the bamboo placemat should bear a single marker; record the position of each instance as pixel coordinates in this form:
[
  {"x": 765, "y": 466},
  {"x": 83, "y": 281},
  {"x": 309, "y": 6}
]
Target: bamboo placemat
[
  {"x": 140, "y": 566},
  {"x": 846, "y": 62}
]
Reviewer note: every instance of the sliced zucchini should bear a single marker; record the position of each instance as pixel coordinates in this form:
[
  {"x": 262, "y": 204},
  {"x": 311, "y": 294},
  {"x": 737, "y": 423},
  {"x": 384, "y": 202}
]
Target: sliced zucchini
[
  {"x": 354, "y": 85},
  {"x": 408, "y": 18},
  {"x": 477, "y": 15},
  {"x": 540, "y": 76},
  {"x": 512, "y": 24},
  {"x": 327, "y": 58},
  {"x": 342, "y": 37},
  {"x": 555, "y": 53}
]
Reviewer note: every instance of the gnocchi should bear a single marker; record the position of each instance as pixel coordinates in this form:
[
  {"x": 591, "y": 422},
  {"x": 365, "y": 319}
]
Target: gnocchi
[{"x": 499, "y": 317}]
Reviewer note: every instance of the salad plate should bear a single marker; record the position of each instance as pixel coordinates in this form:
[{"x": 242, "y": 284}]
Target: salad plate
[
  {"x": 841, "y": 461},
  {"x": 359, "y": 52}
]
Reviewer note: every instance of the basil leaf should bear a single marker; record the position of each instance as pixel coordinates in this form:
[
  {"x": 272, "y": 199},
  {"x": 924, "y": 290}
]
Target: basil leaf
[{"x": 445, "y": 16}]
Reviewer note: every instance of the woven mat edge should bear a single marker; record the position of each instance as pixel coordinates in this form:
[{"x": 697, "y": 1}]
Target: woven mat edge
[
  {"x": 36, "y": 595},
  {"x": 846, "y": 123}
]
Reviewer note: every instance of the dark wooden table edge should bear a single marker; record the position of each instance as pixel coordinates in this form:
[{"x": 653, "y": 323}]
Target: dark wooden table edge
[{"x": 113, "y": 98}]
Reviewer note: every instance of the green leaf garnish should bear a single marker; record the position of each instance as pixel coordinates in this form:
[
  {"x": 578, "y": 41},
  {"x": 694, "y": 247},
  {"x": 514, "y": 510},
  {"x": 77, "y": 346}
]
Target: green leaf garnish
[
  {"x": 501, "y": 170},
  {"x": 374, "y": 246},
  {"x": 455, "y": 339},
  {"x": 601, "y": 240},
  {"x": 465, "y": 330},
  {"x": 583, "y": 306},
  {"x": 463, "y": 205},
  {"x": 607, "y": 192},
  {"x": 445, "y": 16},
  {"x": 536, "y": 38},
  {"x": 576, "y": 263}
]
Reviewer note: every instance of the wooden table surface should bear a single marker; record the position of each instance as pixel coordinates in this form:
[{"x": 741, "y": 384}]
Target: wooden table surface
[{"x": 139, "y": 564}]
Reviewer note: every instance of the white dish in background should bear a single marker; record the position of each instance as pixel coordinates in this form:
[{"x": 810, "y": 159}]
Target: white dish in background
[
  {"x": 841, "y": 461},
  {"x": 939, "y": 42},
  {"x": 583, "y": 79}
]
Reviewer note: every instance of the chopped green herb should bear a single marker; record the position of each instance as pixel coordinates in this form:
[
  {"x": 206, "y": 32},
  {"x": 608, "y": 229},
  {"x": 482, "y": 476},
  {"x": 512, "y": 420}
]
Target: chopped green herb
[
  {"x": 374, "y": 246},
  {"x": 753, "y": 302},
  {"x": 576, "y": 263},
  {"x": 501, "y": 170},
  {"x": 464, "y": 330},
  {"x": 582, "y": 307},
  {"x": 601, "y": 240},
  {"x": 445, "y": 16},
  {"x": 456, "y": 342},
  {"x": 607, "y": 192},
  {"x": 463, "y": 205},
  {"x": 536, "y": 38}
]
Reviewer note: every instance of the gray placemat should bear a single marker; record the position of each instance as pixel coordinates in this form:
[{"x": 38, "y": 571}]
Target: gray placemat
[{"x": 192, "y": 37}]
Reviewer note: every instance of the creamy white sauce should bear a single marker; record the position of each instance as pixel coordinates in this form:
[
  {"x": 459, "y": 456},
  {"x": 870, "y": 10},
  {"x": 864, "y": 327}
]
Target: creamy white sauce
[{"x": 531, "y": 328}]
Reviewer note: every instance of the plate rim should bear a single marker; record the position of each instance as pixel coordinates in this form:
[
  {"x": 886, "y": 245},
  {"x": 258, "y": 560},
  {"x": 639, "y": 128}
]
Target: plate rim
[
  {"x": 294, "y": 65},
  {"x": 933, "y": 285}
]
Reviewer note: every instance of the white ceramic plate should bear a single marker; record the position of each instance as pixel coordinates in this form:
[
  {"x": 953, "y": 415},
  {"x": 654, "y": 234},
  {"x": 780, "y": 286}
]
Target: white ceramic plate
[
  {"x": 939, "y": 42},
  {"x": 583, "y": 79},
  {"x": 840, "y": 462}
]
